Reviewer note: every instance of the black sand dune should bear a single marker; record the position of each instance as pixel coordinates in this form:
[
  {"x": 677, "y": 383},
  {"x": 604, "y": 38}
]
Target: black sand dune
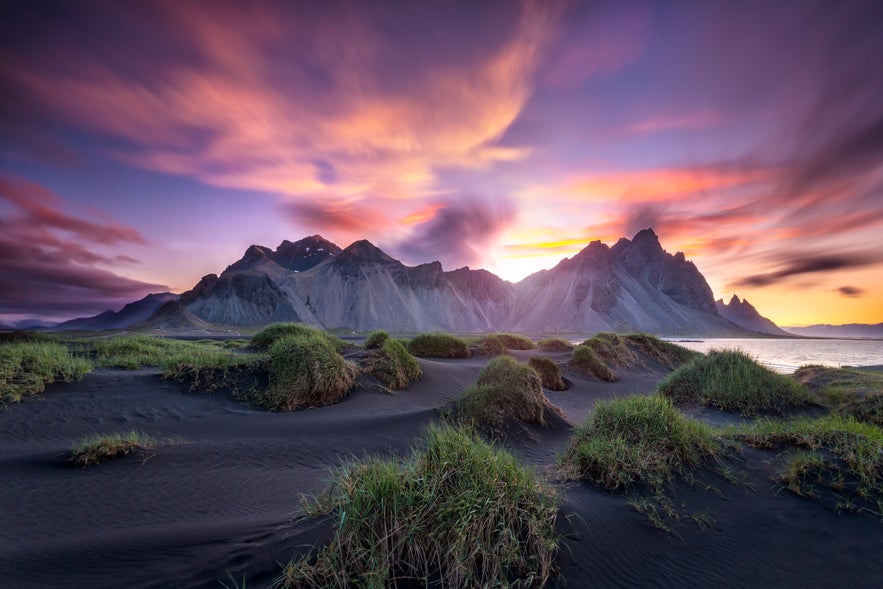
[{"x": 224, "y": 498}]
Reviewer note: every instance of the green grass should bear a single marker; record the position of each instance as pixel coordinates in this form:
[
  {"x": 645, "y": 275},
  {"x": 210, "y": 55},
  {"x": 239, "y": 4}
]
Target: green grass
[
  {"x": 392, "y": 365},
  {"x": 733, "y": 381},
  {"x": 611, "y": 349},
  {"x": 550, "y": 374},
  {"x": 490, "y": 345},
  {"x": 438, "y": 345},
  {"x": 304, "y": 371},
  {"x": 516, "y": 342},
  {"x": 838, "y": 456},
  {"x": 136, "y": 351},
  {"x": 97, "y": 449},
  {"x": 241, "y": 374},
  {"x": 554, "y": 344},
  {"x": 265, "y": 338},
  {"x": 457, "y": 513},
  {"x": 667, "y": 353},
  {"x": 28, "y": 365},
  {"x": 851, "y": 392},
  {"x": 505, "y": 390},
  {"x": 587, "y": 362},
  {"x": 375, "y": 340},
  {"x": 636, "y": 441}
]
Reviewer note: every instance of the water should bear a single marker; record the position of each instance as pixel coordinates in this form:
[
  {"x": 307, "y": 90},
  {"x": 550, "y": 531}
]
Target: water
[{"x": 787, "y": 355}]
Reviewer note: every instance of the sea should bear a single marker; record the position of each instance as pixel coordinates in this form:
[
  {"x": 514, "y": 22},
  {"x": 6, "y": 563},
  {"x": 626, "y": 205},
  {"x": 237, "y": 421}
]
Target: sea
[{"x": 787, "y": 355}]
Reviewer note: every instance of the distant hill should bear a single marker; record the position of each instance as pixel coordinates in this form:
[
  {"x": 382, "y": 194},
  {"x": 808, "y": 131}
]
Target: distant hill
[
  {"x": 128, "y": 316},
  {"x": 633, "y": 286},
  {"x": 849, "y": 330},
  {"x": 171, "y": 316},
  {"x": 743, "y": 314}
]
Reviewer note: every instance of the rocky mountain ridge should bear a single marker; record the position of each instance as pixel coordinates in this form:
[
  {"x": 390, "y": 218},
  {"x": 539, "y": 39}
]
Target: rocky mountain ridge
[
  {"x": 634, "y": 285},
  {"x": 743, "y": 314}
]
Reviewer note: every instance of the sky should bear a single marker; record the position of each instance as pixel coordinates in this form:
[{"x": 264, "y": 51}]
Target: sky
[{"x": 146, "y": 144}]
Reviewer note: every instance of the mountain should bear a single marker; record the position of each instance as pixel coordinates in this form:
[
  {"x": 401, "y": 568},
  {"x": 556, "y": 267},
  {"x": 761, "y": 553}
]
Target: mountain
[
  {"x": 128, "y": 316},
  {"x": 849, "y": 330},
  {"x": 172, "y": 315},
  {"x": 743, "y": 314},
  {"x": 634, "y": 285}
]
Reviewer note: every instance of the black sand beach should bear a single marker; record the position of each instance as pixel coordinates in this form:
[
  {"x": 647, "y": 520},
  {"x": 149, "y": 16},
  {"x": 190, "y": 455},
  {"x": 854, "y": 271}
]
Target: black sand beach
[{"x": 222, "y": 500}]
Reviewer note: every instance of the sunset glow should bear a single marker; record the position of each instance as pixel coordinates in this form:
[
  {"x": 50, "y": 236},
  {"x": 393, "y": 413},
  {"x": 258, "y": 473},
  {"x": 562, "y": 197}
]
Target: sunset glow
[{"x": 146, "y": 144}]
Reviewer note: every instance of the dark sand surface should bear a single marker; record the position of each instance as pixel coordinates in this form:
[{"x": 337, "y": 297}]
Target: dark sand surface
[{"x": 225, "y": 498}]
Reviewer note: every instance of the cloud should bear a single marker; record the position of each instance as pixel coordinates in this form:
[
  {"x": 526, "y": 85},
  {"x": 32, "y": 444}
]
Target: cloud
[
  {"x": 851, "y": 291},
  {"x": 40, "y": 208},
  {"x": 360, "y": 104},
  {"x": 459, "y": 233},
  {"x": 48, "y": 264},
  {"x": 809, "y": 265}
]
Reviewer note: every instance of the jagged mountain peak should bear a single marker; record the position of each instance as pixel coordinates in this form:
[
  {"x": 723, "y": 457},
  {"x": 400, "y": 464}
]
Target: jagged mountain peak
[
  {"x": 306, "y": 253},
  {"x": 365, "y": 251}
]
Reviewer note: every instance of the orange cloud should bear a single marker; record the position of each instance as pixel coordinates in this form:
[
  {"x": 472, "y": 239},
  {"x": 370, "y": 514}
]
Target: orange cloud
[
  {"x": 233, "y": 117},
  {"x": 658, "y": 184}
]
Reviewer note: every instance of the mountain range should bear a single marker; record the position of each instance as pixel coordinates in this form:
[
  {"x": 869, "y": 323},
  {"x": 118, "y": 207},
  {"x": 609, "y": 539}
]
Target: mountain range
[
  {"x": 635, "y": 285},
  {"x": 849, "y": 330}
]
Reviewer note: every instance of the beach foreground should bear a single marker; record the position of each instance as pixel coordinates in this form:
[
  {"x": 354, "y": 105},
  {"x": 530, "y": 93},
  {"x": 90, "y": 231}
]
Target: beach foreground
[{"x": 219, "y": 497}]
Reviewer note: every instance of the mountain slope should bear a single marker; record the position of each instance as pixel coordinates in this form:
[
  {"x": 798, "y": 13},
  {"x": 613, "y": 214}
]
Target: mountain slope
[
  {"x": 633, "y": 286},
  {"x": 743, "y": 314},
  {"x": 128, "y": 316}
]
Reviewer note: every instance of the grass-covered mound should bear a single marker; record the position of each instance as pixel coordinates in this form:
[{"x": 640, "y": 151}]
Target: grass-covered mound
[
  {"x": 375, "y": 340},
  {"x": 636, "y": 441},
  {"x": 265, "y": 338},
  {"x": 392, "y": 365},
  {"x": 458, "y": 513},
  {"x": 611, "y": 349},
  {"x": 554, "y": 344},
  {"x": 838, "y": 458},
  {"x": 586, "y": 361},
  {"x": 516, "y": 342},
  {"x": 28, "y": 365},
  {"x": 305, "y": 371},
  {"x": 505, "y": 390},
  {"x": 490, "y": 345},
  {"x": 733, "y": 381},
  {"x": 97, "y": 449},
  {"x": 438, "y": 345},
  {"x": 667, "y": 353},
  {"x": 550, "y": 374}
]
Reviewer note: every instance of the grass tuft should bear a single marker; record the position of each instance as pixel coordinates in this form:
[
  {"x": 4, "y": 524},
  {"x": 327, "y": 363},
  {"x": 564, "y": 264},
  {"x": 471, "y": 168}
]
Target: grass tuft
[
  {"x": 554, "y": 344},
  {"x": 667, "y": 353},
  {"x": 514, "y": 341},
  {"x": 97, "y": 449},
  {"x": 375, "y": 340},
  {"x": 392, "y": 365},
  {"x": 28, "y": 365},
  {"x": 491, "y": 345},
  {"x": 458, "y": 513},
  {"x": 265, "y": 338},
  {"x": 851, "y": 392},
  {"x": 550, "y": 374},
  {"x": 611, "y": 349},
  {"x": 131, "y": 352},
  {"x": 839, "y": 456},
  {"x": 505, "y": 390},
  {"x": 438, "y": 345},
  {"x": 733, "y": 381},
  {"x": 586, "y": 361},
  {"x": 305, "y": 371},
  {"x": 636, "y": 440}
]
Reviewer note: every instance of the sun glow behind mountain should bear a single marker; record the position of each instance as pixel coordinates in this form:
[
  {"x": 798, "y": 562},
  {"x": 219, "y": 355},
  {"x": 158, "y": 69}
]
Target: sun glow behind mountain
[{"x": 145, "y": 145}]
